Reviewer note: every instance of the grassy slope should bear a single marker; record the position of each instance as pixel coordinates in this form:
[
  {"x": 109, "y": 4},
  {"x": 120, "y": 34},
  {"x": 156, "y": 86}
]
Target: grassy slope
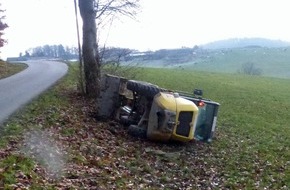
[
  {"x": 273, "y": 62},
  {"x": 253, "y": 136},
  {"x": 10, "y": 69},
  {"x": 251, "y": 149}
]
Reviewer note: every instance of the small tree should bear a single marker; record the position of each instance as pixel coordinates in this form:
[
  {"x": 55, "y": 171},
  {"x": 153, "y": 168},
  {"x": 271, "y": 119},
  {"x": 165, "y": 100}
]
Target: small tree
[
  {"x": 3, "y": 26},
  {"x": 96, "y": 13},
  {"x": 249, "y": 68},
  {"x": 112, "y": 59}
]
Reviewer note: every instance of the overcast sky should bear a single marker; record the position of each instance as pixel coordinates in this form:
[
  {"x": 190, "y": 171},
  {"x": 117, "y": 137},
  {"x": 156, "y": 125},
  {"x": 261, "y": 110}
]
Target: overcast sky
[{"x": 160, "y": 23}]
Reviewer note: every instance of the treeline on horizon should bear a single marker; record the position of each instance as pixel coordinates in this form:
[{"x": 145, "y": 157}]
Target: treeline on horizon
[
  {"x": 51, "y": 51},
  {"x": 168, "y": 56},
  {"x": 115, "y": 54}
]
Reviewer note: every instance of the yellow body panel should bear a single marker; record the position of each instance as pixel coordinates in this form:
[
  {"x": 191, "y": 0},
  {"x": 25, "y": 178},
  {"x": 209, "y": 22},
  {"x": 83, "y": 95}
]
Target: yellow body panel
[
  {"x": 177, "y": 104},
  {"x": 184, "y": 106},
  {"x": 166, "y": 101}
]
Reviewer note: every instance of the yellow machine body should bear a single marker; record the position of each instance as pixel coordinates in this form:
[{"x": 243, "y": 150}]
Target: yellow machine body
[{"x": 172, "y": 118}]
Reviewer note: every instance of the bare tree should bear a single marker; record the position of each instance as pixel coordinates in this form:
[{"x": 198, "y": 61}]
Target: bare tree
[
  {"x": 249, "y": 68},
  {"x": 112, "y": 59},
  {"x": 96, "y": 13}
]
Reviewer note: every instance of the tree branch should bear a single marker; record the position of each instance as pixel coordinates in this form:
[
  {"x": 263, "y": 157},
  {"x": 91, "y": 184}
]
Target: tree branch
[{"x": 114, "y": 7}]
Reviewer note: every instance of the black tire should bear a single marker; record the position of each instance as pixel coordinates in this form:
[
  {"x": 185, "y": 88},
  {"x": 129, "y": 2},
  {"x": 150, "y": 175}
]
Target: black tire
[
  {"x": 136, "y": 131},
  {"x": 143, "y": 88}
]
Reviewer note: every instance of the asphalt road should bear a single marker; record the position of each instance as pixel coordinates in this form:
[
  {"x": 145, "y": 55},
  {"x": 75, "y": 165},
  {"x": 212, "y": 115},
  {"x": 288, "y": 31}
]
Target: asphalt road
[{"x": 21, "y": 88}]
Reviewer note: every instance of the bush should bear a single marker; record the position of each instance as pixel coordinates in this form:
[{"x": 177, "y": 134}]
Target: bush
[
  {"x": 113, "y": 61},
  {"x": 130, "y": 71},
  {"x": 249, "y": 68}
]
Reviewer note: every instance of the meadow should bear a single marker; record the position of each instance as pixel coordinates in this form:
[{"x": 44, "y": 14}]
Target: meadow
[
  {"x": 10, "y": 69},
  {"x": 273, "y": 62},
  {"x": 250, "y": 149},
  {"x": 252, "y": 139}
]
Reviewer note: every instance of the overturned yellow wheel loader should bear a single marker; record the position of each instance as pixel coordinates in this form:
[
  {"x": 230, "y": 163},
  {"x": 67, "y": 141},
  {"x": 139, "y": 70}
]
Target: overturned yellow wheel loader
[{"x": 156, "y": 113}]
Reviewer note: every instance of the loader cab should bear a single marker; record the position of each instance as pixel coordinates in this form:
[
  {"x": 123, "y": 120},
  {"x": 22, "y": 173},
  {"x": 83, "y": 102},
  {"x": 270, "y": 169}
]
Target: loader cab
[{"x": 207, "y": 116}]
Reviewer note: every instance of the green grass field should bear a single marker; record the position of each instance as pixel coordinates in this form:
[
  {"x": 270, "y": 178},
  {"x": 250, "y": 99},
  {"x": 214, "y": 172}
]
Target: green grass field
[
  {"x": 7, "y": 70},
  {"x": 250, "y": 149},
  {"x": 273, "y": 62},
  {"x": 252, "y": 142}
]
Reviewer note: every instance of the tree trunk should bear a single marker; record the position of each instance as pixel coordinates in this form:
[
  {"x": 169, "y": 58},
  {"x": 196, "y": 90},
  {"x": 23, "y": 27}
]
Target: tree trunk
[{"x": 91, "y": 55}]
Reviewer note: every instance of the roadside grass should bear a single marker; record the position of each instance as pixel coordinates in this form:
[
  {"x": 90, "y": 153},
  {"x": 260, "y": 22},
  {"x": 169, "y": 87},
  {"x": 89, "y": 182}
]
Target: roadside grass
[
  {"x": 38, "y": 115},
  {"x": 7, "y": 69},
  {"x": 250, "y": 150},
  {"x": 252, "y": 145},
  {"x": 45, "y": 104}
]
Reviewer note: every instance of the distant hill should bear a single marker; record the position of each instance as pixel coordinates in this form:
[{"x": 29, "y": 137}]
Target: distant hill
[{"x": 245, "y": 42}]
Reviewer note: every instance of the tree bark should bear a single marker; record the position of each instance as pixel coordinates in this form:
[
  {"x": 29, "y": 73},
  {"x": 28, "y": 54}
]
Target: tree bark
[{"x": 90, "y": 50}]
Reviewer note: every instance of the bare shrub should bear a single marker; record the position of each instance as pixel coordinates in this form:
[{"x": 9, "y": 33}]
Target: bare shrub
[
  {"x": 249, "y": 68},
  {"x": 114, "y": 62}
]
